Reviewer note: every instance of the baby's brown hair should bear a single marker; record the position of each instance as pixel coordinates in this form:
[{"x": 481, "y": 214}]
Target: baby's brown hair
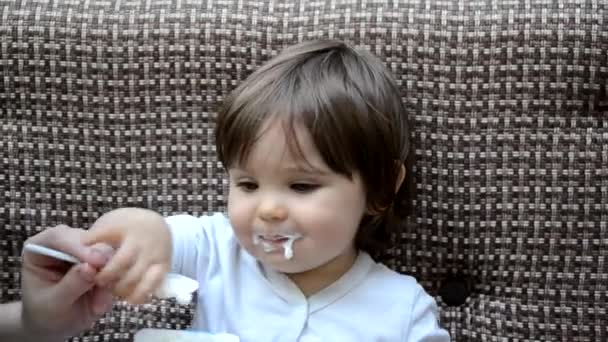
[{"x": 352, "y": 108}]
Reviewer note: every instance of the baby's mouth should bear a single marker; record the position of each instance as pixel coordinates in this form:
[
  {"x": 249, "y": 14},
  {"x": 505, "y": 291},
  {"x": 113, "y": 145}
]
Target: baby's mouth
[
  {"x": 275, "y": 239},
  {"x": 272, "y": 243}
]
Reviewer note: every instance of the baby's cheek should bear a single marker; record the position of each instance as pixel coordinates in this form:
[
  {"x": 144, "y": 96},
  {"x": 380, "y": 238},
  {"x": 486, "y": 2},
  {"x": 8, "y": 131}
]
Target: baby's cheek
[
  {"x": 335, "y": 231},
  {"x": 237, "y": 210},
  {"x": 241, "y": 225}
]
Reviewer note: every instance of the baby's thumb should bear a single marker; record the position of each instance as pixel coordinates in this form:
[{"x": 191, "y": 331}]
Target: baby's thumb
[
  {"x": 109, "y": 234},
  {"x": 76, "y": 282}
]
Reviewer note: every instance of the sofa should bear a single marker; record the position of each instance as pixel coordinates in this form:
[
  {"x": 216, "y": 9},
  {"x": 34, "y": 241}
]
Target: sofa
[{"x": 111, "y": 103}]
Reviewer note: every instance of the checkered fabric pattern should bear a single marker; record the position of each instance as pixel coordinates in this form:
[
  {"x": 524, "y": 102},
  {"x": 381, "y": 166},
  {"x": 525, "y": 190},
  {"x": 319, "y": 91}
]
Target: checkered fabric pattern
[{"x": 109, "y": 103}]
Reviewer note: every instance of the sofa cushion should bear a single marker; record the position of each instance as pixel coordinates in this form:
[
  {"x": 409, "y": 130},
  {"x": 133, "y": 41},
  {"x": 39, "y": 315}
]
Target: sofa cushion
[{"x": 111, "y": 103}]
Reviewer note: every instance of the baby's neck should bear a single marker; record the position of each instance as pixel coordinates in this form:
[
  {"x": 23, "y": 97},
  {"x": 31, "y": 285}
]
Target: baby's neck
[{"x": 315, "y": 280}]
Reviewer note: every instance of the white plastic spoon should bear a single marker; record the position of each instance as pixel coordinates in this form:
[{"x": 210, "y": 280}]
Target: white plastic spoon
[{"x": 53, "y": 253}]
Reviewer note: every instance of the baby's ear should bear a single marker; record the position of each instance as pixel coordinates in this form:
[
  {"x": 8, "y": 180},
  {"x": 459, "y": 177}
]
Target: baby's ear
[
  {"x": 401, "y": 176},
  {"x": 372, "y": 212}
]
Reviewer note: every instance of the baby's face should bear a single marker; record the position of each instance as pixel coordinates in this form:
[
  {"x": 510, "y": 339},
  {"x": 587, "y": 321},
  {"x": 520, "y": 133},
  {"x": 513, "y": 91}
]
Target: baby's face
[{"x": 277, "y": 195}]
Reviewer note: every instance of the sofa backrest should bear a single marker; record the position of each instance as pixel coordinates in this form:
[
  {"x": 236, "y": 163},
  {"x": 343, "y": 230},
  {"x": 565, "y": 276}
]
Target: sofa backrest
[{"x": 112, "y": 103}]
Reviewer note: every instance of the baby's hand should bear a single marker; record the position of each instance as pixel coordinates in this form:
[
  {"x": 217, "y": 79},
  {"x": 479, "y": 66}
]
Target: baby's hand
[{"x": 143, "y": 251}]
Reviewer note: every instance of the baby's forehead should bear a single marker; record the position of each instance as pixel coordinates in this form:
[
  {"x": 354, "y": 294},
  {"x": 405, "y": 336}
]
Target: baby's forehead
[
  {"x": 285, "y": 158},
  {"x": 276, "y": 144},
  {"x": 283, "y": 145},
  {"x": 293, "y": 136}
]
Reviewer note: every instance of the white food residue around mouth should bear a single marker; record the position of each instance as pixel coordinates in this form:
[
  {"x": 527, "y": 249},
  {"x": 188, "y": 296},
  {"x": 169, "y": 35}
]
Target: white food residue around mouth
[{"x": 275, "y": 242}]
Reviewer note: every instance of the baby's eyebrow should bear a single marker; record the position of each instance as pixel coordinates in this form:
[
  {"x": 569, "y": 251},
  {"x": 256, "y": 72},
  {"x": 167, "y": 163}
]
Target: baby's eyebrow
[
  {"x": 306, "y": 170},
  {"x": 297, "y": 169},
  {"x": 238, "y": 170}
]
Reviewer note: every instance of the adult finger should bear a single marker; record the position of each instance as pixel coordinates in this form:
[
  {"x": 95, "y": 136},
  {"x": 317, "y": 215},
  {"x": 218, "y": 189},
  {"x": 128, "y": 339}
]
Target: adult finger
[
  {"x": 76, "y": 282},
  {"x": 102, "y": 301},
  {"x": 67, "y": 240}
]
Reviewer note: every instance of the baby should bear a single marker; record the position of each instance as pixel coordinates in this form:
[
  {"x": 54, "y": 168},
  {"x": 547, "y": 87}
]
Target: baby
[{"x": 316, "y": 145}]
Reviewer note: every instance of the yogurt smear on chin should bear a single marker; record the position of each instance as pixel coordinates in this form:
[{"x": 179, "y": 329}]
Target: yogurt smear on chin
[{"x": 272, "y": 243}]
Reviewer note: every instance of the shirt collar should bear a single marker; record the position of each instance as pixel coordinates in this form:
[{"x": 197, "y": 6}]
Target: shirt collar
[{"x": 289, "y": 292}]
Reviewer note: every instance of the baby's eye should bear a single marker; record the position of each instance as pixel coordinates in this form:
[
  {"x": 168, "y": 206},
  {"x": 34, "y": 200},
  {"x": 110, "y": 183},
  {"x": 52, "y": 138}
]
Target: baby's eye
[
  {"x": 247, "y": 186},
  {"x": 304, "y": 187}
]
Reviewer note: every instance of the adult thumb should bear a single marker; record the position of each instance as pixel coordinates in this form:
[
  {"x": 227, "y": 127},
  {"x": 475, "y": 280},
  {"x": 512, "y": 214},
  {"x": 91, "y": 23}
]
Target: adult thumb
[{"x": 76, "y": 282}]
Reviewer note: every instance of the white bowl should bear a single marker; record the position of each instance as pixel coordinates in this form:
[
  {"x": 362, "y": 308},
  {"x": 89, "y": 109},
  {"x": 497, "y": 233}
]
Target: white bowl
[{"x": 166, "y": 335}]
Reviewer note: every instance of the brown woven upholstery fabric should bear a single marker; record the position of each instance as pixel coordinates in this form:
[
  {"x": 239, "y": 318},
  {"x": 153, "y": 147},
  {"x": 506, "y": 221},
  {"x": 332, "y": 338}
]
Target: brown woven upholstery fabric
[{"x": 109, "y": 103}]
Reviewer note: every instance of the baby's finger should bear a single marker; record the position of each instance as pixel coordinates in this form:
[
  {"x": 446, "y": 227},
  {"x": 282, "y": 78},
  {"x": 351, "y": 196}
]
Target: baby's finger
[
  {"x": 100, "y": 253},
  {"x": 104, "y": 249},
  {"x": 149, "y": 283},
  {"x": 127, "y": 284},
  {"x": 111, "y": 234},
  {"x": 117, "y": 266}
]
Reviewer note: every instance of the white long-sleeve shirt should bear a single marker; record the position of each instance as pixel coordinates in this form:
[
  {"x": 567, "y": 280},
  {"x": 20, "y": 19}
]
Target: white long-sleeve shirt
[{"x": 240, "y": 296}]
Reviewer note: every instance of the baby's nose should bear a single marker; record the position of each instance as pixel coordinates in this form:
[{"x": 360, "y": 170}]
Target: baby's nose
[{"x": 271, "y": 210}]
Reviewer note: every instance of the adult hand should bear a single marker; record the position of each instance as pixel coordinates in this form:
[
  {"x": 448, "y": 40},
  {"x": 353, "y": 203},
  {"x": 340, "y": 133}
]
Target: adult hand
[{"x": 59, "y": 299}]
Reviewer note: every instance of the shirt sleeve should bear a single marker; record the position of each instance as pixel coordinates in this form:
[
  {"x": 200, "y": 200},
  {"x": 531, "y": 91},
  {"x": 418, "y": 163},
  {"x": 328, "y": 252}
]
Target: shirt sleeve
[
  {"x": 424, "y": 323},
  {"x": 191, "y": 244}
]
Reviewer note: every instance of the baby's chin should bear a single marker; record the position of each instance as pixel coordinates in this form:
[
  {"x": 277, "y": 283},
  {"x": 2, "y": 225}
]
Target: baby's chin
[
  {"x": 276, "y": 261},
  {"x": 288, "y": 269}
]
